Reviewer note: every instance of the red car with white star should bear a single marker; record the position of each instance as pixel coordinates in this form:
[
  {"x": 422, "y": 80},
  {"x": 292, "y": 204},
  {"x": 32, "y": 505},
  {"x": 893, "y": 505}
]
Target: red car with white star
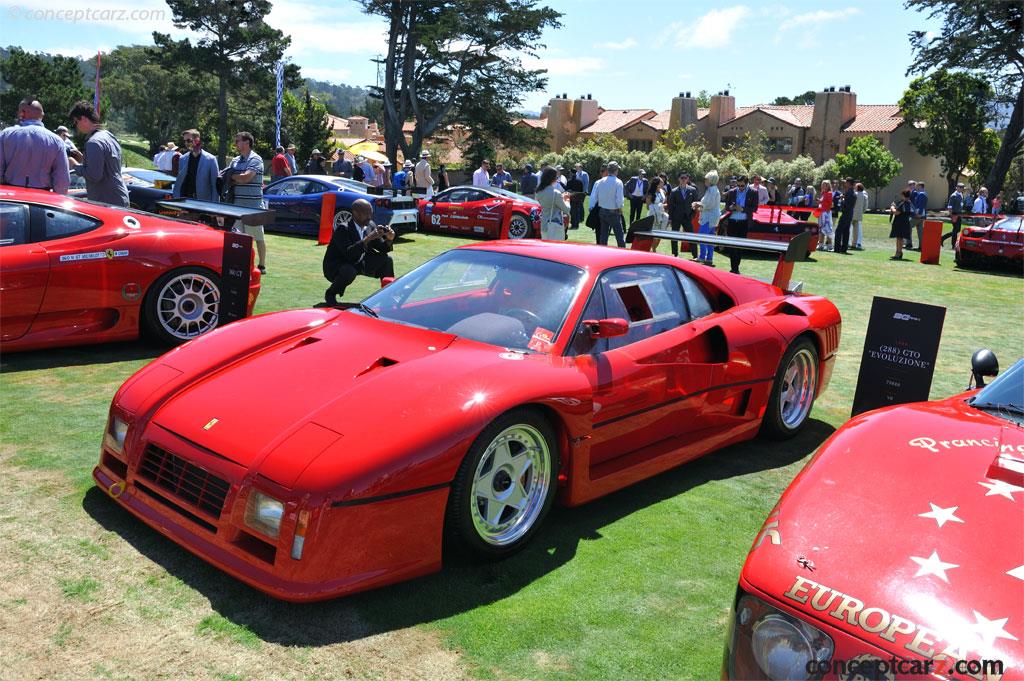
[
  {"x": 485, "y": 212},
  {"x": 75, "y": 271},
  {"x": 898, "y": 552}
]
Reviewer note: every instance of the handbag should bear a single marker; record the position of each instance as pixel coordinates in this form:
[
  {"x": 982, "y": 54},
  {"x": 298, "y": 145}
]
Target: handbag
[{"x": 594, "y": 218}]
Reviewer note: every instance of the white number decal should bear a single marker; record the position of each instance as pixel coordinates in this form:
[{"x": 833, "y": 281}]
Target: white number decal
[{"x": 435, "y": 219}]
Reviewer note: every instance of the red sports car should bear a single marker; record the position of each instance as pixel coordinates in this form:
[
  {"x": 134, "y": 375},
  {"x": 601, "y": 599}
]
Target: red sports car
[
  {"x": 992, "y": 243},
  {"x": 774, "y": 224},
  {"x": 486, "y": 212},
  {"x": 74, "y": 271},
  {"x": 319, "y": 452},
  {"x": 898, "y": 552}
]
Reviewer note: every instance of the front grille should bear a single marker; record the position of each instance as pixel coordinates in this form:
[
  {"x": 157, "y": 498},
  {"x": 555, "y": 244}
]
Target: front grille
[{"x": 188, "y": 482}]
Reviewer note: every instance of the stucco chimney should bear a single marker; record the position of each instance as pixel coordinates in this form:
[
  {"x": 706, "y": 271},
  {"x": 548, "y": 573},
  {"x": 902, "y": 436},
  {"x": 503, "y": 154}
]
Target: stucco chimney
[
  {"x": 584, "y": 112},
  {"x": 722, "y": 108},
  {"x": 684, "y": 111},
  {"x": 561, "y": 125},
  {"x": 834, "y": 108}
]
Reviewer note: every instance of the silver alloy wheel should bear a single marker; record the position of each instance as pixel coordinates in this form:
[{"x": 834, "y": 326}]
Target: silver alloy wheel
[
  {"x": 796, "y": 396},
  {"x": 518, "y": 227},
  {"x": 510, "y": 485},
  {"x": 340, "y": 218},
  {"x": 187, "y": 306}
]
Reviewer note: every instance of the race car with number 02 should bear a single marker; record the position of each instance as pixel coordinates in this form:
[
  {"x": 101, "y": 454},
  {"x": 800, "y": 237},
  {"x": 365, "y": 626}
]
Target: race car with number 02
[
  {"x": 74, "y": 271},
  {"x": 486, "y": 212},
  {"x": 314, "y": 453},
  {"x": 898, "y": 551},
  {"x": 297, "y": 202},
  {"x": 992, "y": 242}
]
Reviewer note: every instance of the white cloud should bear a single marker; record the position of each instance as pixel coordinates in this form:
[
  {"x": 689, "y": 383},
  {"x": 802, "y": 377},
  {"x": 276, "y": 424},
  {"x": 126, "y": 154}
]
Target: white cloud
[
  {"x": 325, "y": 28},
  {"x": 135, "y": 19},
  {"x": 711, "y": 30},
  {"x": 618, "y": 46},
  {"x": 817, "y": 18},
  {"x": 328, "y": 73}
]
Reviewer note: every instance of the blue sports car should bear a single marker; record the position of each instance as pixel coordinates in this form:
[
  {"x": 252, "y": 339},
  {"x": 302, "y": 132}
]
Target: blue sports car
[{"x": 297, "y": 201}]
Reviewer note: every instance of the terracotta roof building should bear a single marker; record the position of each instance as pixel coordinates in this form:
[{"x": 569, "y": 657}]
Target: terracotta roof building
[{"x": 820, "y": 130}]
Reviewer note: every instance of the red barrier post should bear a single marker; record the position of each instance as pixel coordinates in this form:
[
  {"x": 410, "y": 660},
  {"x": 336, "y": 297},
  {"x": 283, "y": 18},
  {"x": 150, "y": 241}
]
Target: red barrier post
[
  {"x": 931, "y": 242},
  {"x": 326, "y": 219}
]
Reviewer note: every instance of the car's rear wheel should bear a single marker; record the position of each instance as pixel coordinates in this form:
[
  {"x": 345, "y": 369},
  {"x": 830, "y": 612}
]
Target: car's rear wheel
[
  {"x": 183, "y": 304},
  {"x": 505, "y": 485},
  {"x": 341, "y": 217},
  {"x": 519, "y": 227},
  {"x": 794, "y": 390}
]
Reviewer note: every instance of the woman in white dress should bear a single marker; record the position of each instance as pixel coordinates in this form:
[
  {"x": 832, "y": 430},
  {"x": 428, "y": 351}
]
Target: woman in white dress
[{"x": 655, "y": 199}]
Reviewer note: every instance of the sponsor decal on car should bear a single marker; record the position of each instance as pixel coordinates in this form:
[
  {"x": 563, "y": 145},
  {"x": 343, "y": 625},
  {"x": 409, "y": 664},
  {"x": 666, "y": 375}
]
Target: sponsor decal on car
[
  {"x": 479, "y": 230},
  {"x": 131, "y": 291},
  {"x": 541, "y": 340},
  {"x": 110, "y": 254},
  {"x": 132, "y": 221}
]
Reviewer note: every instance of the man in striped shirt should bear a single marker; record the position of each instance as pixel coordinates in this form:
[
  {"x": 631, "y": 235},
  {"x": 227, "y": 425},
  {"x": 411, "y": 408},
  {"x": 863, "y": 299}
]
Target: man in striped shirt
[{"x": 246, "y": 185}]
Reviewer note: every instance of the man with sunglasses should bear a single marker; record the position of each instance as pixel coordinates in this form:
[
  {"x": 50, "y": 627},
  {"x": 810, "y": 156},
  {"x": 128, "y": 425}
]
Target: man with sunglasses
[{"x": 741, "y": 202}]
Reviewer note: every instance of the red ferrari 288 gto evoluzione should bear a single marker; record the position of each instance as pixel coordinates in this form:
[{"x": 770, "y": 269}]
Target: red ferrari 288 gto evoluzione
[{"x": 463, "y": 399}]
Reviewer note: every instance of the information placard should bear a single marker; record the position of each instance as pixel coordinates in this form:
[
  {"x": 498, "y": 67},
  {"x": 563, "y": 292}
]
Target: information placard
[
  {"x": 236, "y": 267},
  {"x": 900, "y": 349}
]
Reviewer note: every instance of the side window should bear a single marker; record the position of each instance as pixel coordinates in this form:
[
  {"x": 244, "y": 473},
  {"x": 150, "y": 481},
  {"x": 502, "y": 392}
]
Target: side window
[
  {"x": 458, "y": 196},
  {"x": 58, "y": 224},
  {"x": 314, "y": 188},
  {"x": 697, "y": 300},
  {"x": 582, "y": 343},
  {"x": 289, "y": 188},
  {"x": 13, "y": 224},
  {"x": 649, "y": 298},
  {"x": 476, "y": 195}
]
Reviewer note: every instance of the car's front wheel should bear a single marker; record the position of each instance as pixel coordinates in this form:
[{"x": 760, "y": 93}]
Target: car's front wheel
[
  {"x": 505, "y": 485},
  {"x": 519, "y": 227},
  {"x": 794, "y": 390},
  {"x": 183, "y": 304}
]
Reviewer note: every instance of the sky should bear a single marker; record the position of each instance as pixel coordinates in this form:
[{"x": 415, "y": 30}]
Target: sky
[{"x": 625, "y": 54}]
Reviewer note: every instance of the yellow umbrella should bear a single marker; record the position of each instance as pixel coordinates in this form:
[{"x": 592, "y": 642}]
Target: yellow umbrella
[
  {"x": 372, "y": 155},
  {"x": 365, "y": 148}
]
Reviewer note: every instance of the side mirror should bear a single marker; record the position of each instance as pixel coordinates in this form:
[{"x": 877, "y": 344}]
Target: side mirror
[
  {"x": 607, "y": 328},
  {"x": 984, "y": 364},
  {"x": 386, "y": 281}
]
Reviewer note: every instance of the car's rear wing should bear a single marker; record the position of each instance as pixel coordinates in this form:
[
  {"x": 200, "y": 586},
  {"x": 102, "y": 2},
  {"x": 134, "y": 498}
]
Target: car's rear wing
[
  {"x": 789, "y": 253},
  {"x": 224, "y": 211}
]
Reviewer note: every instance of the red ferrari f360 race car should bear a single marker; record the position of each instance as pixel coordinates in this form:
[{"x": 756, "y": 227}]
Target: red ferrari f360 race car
[
  {"x": 486, "y": 212},
  {"x": 999, "y": 242},
  {"x": 312, "y": 453},
  {"x": 898, "y": 552},
  {"x": 75, "y": 271}
]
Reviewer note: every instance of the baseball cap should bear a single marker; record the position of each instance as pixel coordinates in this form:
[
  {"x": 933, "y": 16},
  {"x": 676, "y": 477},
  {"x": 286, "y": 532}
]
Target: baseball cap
[{"x": 62, "y": 128}]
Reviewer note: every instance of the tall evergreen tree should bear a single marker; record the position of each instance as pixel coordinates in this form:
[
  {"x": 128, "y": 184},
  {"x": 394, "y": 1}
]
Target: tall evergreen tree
[
  {"x": 235, "y": 46},
  {"x": 987, "y": 37},
  {"x": 55, "y": 81},
  {"x": 444, "y": 51}
]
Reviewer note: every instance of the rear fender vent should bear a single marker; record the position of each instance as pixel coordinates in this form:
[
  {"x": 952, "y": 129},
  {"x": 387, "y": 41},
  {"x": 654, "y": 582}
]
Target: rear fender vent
[
  {"x": 789, "y": 308},
  {"x": 379, "y": 364}
]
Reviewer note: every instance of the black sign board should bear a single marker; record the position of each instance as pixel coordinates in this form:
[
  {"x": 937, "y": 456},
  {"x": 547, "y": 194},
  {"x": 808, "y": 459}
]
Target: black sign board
[
  {"x": 900, "y": 349},
  {"x": 236, "y": 267}
]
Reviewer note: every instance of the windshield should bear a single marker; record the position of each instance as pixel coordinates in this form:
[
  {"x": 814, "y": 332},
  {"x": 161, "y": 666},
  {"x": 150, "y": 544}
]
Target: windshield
[
  {"x": 351, "y": 184},
  {"x": 507, "y": 300},
  {"x": 511, "y": 195},
  {"x": 1004, "y": 396}
]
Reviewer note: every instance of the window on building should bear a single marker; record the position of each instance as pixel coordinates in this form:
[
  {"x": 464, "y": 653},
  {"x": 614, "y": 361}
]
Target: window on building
[
  {"x": 778, "y": 145},
  {"x": 640, "y": 145},
  {"x": 731, "y": 141}
]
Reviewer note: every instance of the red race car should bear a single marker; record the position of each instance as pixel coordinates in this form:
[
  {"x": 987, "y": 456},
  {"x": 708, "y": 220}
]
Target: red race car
[
  {"x": 772, "y": 223},
  {"x": 460, "y": 400},
  {"x": 75, "y": 272},
  {"x": 486, "y": 212},
  {"x": 992, "y": 243},
  {"x": 898, "y": 552}
]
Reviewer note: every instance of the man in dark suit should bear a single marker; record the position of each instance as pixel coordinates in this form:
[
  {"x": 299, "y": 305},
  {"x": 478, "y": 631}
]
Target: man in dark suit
[
  {"x": 357, "y": 247},
  {"x": 636, "y": 187},
  {"x": 741, "y": 202},
  {"x": 846, "y": 218},
  {"x": 680, "y": 210}
]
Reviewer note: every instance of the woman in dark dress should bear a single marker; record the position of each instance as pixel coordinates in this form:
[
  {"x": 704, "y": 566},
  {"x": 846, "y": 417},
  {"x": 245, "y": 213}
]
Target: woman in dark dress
[
  {"x": 442, "y": 178},
  {"x": 901, "y": 212}
]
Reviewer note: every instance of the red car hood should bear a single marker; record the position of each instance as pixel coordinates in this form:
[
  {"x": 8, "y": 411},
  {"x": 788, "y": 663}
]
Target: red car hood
[{"x": 913, "y": 519}]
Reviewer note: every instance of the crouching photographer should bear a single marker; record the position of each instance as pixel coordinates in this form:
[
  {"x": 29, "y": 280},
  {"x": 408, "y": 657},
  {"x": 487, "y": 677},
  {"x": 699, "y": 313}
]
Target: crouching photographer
[{"x": 357, "y": 247}]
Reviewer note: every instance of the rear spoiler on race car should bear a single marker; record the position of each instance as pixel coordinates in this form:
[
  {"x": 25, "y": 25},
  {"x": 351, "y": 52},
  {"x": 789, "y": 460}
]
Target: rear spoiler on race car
[
  {"x": 223, "y": 211},
  {"x": 789, "y": 253}
]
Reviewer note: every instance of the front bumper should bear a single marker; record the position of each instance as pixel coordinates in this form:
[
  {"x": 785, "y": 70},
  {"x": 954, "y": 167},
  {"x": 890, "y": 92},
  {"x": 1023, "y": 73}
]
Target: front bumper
[{"x": 346, "y": 549}]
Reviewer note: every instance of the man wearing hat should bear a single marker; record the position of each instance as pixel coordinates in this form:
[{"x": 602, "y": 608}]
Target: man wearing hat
[
  {"x": 341, "y": 167},
  {"x": 74, "y": 155},
  {"x": 315, "y": 164},
  {"x": 421, "y": 174},
  {"x": 773, "y": 191},
  {"x": 290, "y": 156},
  {"x": 636, "y": 187},
  {"x": 955, "y": 206}
]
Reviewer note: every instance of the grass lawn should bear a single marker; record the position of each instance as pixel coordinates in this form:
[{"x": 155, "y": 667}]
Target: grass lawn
[{"x": 635, "y": 585}]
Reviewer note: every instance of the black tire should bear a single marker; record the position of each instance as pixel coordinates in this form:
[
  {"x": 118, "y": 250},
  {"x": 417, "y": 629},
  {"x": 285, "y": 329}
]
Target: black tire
[
  {"x": 786, "y": 416},
  {"x": 181, "y": 305},
  {"x": 519, "y": 227},
  {"x": 465, "y": 526}
]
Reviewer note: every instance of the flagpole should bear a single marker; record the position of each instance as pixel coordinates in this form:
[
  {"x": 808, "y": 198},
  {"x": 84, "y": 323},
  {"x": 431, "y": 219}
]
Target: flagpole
[
  {"x": 96, "y": 91},
  {"x": 280, "y": 93}
]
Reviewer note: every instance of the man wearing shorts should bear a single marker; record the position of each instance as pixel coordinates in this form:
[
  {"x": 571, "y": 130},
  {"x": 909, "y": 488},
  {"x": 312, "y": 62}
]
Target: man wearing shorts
[{"x": 246, "y": 178}]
